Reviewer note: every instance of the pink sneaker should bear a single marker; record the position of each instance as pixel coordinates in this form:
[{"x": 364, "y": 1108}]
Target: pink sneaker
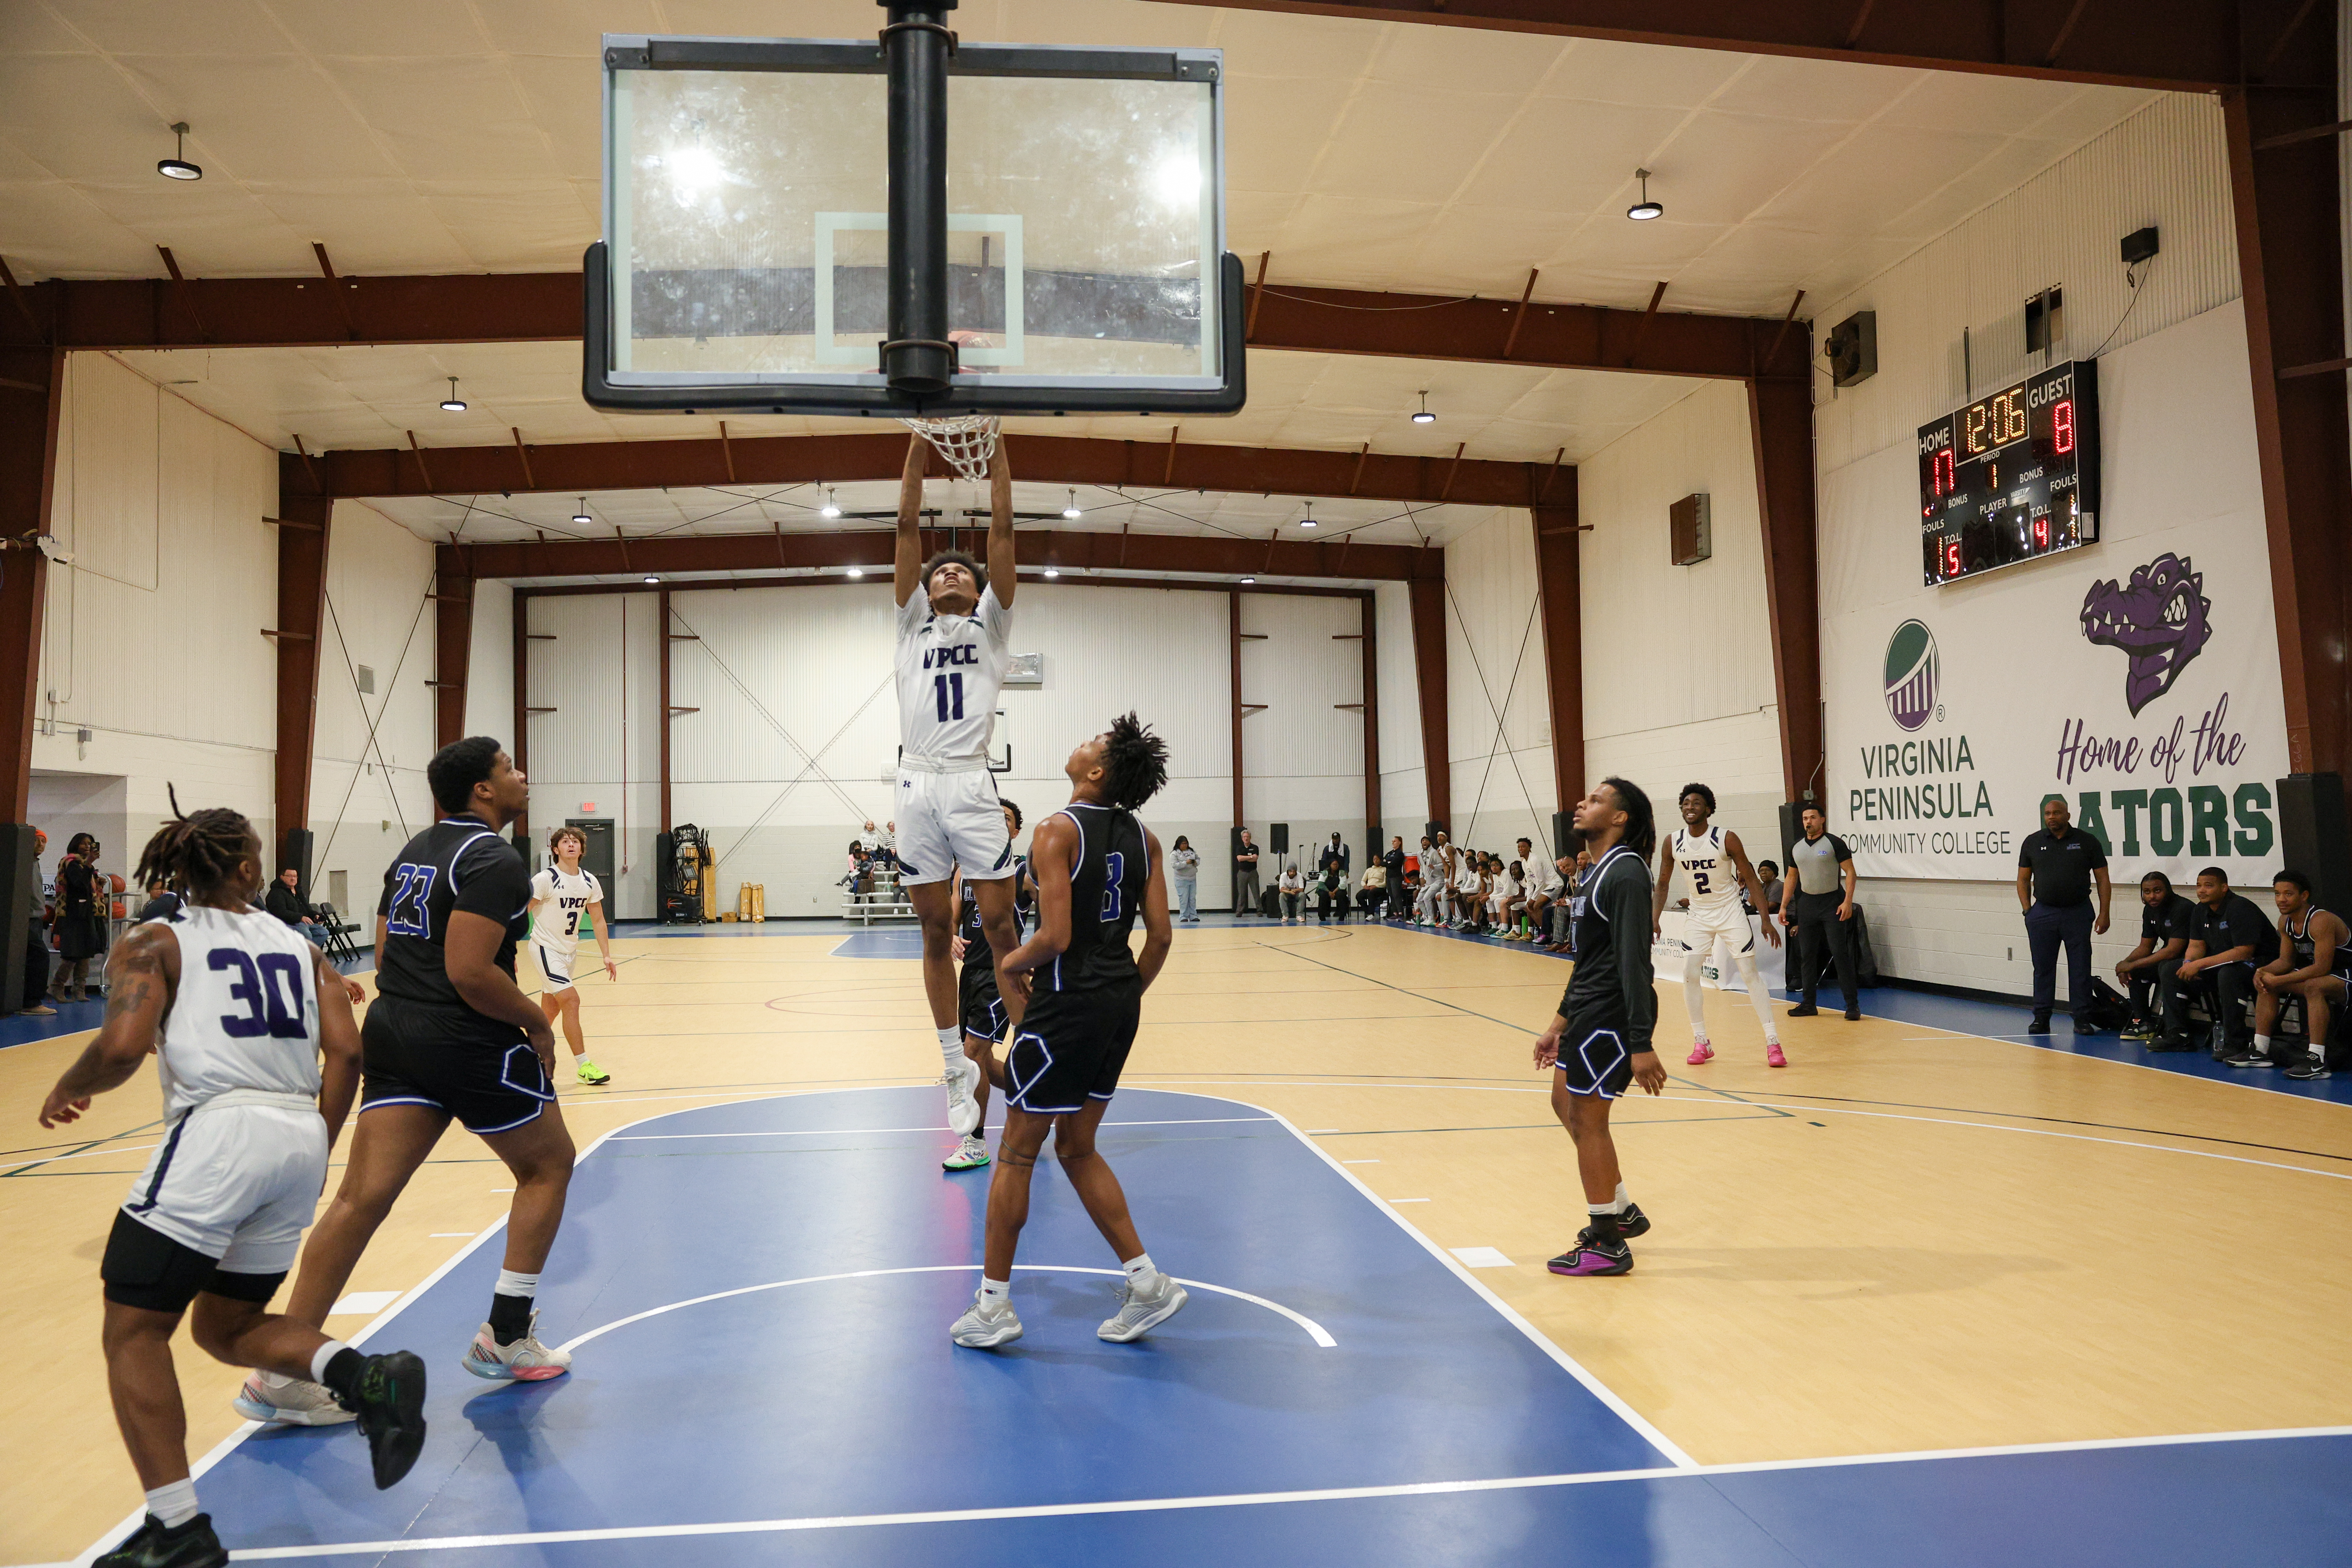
[
  {"x": 1772, "y": 1057},
  {"x": 1701, "y": 1054}
]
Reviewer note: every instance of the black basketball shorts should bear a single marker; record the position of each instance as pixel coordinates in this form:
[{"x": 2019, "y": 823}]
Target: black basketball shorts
[
  {"x": 1594, "y": 1057},
  {"x": 978, "y": 1003},
  {"x": 145, "y": 1268},
  {"x": 1071, "y": 1047},
  {"x": 485, "y": 1075}
]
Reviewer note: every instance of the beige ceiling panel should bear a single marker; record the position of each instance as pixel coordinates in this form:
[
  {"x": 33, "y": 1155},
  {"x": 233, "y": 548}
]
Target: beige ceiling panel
[
  {"x": 1402, "y": 142},
  {"x": 338, "y": 27},
  {"x": 570, "y": 29},
  {"x": 768, "y": 18},
  {"x": 1856, "y": 189},
  {"x": 384, "y": 221},
  {"x": 1258, "y": 221},
  {"x": 78, "y": 118},
  {"x": 1466, "y": 59},
  {"x": 448, "y": 118},
  {"x": 1723, "y": 167},
  {"x": 1569, "y": 155},
  {"x": 241, "y": 27},
  {"x": 1268, "y": 43},
  {"x": 1488, "y": 250},
  {"x": 31, "y": 29},
  {"x": 1103, "y": 22},
  {"x": 1963, "y": 100},
  {"x": 517, "y": 225},
  {"x": 1641, "y": 74},
  {"x": 49, "y": 229},
  {"x": 1617, "y": 261},
  {"x": 17, "y": 165},
  {"x": 1792, "y": 88},
  {"x": 1276, "y": 128},
  {"x": 2089, "y": 111},
  {"x": 1353, "y": 244},
  {"x": 2008, "y": 168},
  {"x": 565, "y": 97},
  {"x": 263, "y": 118}
]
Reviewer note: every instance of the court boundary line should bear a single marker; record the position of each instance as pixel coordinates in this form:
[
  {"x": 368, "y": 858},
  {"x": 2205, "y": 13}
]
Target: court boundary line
[{"x": 855, "y": 1132}]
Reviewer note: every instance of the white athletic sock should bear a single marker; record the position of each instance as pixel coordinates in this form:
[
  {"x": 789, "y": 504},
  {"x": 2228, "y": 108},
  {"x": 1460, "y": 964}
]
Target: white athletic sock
[
  {"x": 1618, "y": 1203},
  {"x": 1695, "y": 993},
  {"x": 326, "y": 1352},
  {"x": 952, "y": 1041},
  {"x": 174, "y": 1503},
  {"x": 1139, "y": 1267},
  {"x": 998, "y": 1292},
  {"x": 513, "y": 1284},
  {"x": 2261, "y": 1045},
  {"x": 1756, "y": 997}
]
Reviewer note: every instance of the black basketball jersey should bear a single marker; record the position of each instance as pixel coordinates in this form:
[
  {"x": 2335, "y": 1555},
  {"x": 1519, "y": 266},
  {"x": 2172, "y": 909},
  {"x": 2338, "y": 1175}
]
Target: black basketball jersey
[
  {"x": 2306, "y": 949},
  {"x": 1106, "y": 883},
  {"x": 455, "y": 864},
  {"x": 1610, "y": 913},
  {"x": 968, "y": 926}
]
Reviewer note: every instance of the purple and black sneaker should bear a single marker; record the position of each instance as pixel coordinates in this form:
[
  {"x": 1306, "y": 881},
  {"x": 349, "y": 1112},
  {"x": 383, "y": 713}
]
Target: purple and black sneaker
[{"x": 1594, "y": 1257}]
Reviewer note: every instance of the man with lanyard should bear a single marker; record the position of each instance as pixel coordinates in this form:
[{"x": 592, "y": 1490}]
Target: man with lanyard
[
  {"x": 2147, "y": 969},
  {"x": 2228, "y": 937},
  {"x": 1598, "y": 1042},
  {"x": 2054, "y": 870},
  {"x": 1817, "y": 905}
]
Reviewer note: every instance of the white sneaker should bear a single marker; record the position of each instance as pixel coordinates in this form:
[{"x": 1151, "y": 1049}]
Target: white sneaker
[
  {"x": 984, "y": 1327},
  {"x": 962, "y": 1076},
  {"x": 1142, "y": 1309},
  {"x": 525, "y": 1360},
  {"x": 970, "y": 1155},
  {"x": 288, "y": 1402}
]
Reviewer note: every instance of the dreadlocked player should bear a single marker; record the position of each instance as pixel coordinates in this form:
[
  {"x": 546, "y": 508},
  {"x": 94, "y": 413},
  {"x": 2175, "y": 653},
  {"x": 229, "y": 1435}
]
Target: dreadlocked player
[
  {"x": 1096, "y": 868},
  {"x": 236, "y": 1009}
]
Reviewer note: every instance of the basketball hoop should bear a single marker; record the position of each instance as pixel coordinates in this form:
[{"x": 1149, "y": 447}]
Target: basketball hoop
[{"x": 966, "y": 440}]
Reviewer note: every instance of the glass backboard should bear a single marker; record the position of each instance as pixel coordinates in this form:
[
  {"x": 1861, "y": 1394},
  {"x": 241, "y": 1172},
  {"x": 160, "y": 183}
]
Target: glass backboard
[{"x": 746, "y": 230}]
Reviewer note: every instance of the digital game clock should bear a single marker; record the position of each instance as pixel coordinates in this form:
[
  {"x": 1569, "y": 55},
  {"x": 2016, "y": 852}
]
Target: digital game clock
[{"x": 2012, "y": 477}]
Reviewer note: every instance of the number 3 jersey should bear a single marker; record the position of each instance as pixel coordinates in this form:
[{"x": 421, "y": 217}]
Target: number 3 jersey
[
  {"x": 1112, "y": 868},
  {"x": 455, "y": 864},
  {"x": 950, "y": 668},
  {"x": 245, "y": 1015},
  {"x": 557, "y": 929}
]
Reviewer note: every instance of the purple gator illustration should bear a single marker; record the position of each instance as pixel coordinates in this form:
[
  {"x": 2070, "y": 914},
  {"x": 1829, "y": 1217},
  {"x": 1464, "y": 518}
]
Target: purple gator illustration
[{"x": 2160, "y": 620}]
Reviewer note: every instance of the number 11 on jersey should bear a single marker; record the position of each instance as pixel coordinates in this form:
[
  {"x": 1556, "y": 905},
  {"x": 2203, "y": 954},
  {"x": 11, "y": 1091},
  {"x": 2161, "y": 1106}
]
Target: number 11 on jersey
[{"x": 948, "y": 691}]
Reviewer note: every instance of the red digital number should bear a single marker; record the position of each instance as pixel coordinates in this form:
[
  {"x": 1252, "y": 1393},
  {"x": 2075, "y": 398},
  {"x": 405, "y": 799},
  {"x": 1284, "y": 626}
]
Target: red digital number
[
  {"x": 2042, "y": 532},
  {"x": 2062, "y": 426},
  {"x": 1944, "y": 471},
  {"x": 1951, "y": 558}
]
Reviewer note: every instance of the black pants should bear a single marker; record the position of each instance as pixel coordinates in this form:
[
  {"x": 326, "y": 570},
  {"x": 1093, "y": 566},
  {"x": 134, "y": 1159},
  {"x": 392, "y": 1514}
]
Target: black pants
[
  {"x": 37, "y": 967},
  {"x": 2224, "y": 989},
  {"x": 1323, "y": 898},
  {"x": 1818, "y": 925},
  {"x": 1370, "y": 900},
  {"x": 2047, "y": 928},
  {"x": 2154, "y": 999}
]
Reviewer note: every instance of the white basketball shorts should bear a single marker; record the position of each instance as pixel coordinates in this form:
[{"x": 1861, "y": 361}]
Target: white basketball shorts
[
  {"x": 951, "y": 821},
  {"x": 554, "y": 964},
  {"x": 237, "y": 1181},
  {"x": 1726, "y": 923}
]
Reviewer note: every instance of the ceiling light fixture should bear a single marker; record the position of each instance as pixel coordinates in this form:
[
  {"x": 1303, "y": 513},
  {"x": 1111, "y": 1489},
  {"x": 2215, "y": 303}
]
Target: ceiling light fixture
[
  {"x": 1309, "y": 520},
  {"x": 1072, "y": 510},
  {"x": 1645, "y": 209},
  {"x": 1424, "y": 416},
  {"x": 581, "y": 517},
  {"x": 651, "y": 578},
  {"x": 1053, "y": 570},
  {"x": 177, "y": 167},
  {"x": 857, "y": 571},
  {"x": 832, "y": 507},
  {"x": 1247, "y": 580},
  {"x": 453, "y": 403}
]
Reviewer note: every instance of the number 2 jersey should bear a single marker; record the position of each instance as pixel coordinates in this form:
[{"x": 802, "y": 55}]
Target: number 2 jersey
[
  {"x": 950, "y": 670},
  {"x": 557, "y": 928},
  {"x": 457, "y": 863},
  {"x": 1107, "y": 877},
  {"x": 1714, "y": 881}
]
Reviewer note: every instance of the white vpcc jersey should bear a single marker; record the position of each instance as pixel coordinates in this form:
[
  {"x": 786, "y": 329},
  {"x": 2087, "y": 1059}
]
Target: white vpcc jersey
[
  {"x": 1714, "y": 881},
  {"x": 950, "y": 670},
  {"x": 245, "y": 1015},
  {"x": 558, "y": 929}
]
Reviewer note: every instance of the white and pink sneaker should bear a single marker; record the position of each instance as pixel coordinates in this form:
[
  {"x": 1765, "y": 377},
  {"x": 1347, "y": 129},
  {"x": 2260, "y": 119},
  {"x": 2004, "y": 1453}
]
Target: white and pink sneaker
[
  {"x": 525, "y": 1360},
  {"x": 1702, "y": 1053},
  {"x": 1772, "y": 1057}
]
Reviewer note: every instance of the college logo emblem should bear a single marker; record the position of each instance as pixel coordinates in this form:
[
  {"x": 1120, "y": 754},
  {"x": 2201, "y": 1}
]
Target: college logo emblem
[
  {"x": 1910, "y": 675},
  {"x": 2161, "y": 621}
]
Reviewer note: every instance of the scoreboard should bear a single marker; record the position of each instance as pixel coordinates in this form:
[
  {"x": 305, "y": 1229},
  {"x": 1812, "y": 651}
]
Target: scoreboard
[{"x": 2012, "y": 477}]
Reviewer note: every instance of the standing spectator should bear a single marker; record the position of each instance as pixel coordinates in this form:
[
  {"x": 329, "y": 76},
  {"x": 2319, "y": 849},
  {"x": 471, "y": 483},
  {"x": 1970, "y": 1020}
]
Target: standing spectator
[
  {"x": 1292, "y": 887},
  {"x": 1817, "y": 904},
  {"x": 2054, "y": 870},
  {"x": 1430, "y": 901},
  {"x": 1335, "y": 853},
  {"x": 1184, "y": 866},
  {"x": 1540, "y": 883},
  {"x": 81, "y": 918},
  {"x": 36, "y": 945},
  {"x": 286, "y": 901},
  {"x": 2229, "y": 938},
  {"x": 1245, "y": 891},
  {"x": 2147, "y": 971},
  {"x": 1392, "y": 899}
]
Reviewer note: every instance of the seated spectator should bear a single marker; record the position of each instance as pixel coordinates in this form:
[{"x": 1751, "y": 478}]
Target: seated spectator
[
  {"x": 1292, "y": 888},
  {"x": 1470, "y": 891},
  {"x": 1767, "y": 877},
  {"x": 2315, "y": 962},
  {"x": 162, "y": 903},
  {"x": 2146, "y": 971},
  {"x": 1541, "y": 886},
  {"x": 1511, "y": 901},
  {"x": 860, "y": 878},
  {"x": 2229, "y": 939},
  {"x": 285, "y": 900},
  {"x": 1331, "y": 887},
  {"x": 1374, "y": 893}
]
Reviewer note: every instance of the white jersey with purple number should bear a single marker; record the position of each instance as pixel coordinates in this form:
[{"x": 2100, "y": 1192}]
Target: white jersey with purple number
[
  {"x": 950, "y": 668},
  {"x": 1714, "y": 881}
]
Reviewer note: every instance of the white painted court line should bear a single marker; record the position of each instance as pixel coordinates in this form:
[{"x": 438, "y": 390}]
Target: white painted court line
[
  {"x": 1404, "y": 1200},
  {"x": 1237, "y": 1499},
  {"x": 1482, "y": 1257},
  {"x": 368, "y": 1301},
  {"x": 858, "y": 1132},
  {"x": 445, "y": 1235},
  {"x": 85, "y": 1155},
  {"x": 1359, "y": 1162}
]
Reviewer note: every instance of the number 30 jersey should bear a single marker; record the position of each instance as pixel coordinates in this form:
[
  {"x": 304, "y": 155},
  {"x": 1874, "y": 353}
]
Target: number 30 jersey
[
  {"x": 950, "y": 670},
  {"x": 455, "y": 864},
  {"x": 245, "y": 1015},
  {"x": 1107, "y": 881}
]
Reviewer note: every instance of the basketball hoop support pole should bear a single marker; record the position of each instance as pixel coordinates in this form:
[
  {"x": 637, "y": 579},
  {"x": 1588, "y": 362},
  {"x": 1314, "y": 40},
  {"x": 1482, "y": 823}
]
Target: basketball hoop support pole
[{"x": 917, "y": 357}]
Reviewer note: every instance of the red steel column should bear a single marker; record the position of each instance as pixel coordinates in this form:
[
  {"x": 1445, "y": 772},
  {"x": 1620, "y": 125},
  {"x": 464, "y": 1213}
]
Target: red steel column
[
  {"x": 305, "y": 520},
  {"x": 1560, "y": 573},
  {"x": 1429, "y": 674},
  {"x": 1376, "y": 836},
  {"x": 1781, "y": 421},
  {"x": 31, "y": 404},
  {"x": 453, "y": 643}
]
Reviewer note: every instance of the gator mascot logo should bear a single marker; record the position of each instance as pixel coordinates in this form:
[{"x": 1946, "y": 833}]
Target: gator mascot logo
[{"x": 2160, "y": 620}]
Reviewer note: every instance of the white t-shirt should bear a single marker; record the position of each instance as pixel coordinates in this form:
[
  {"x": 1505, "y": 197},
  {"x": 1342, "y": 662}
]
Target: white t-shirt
[
  {"x": 950, "y": 670},
  {"x": 557, "y": 929},
  {"x": 1292, "y": 882}
]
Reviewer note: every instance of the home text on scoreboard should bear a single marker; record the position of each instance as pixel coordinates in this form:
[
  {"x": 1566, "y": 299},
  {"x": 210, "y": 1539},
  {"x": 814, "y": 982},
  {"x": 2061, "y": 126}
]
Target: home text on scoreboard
[{"x": 2012, "y": 477}]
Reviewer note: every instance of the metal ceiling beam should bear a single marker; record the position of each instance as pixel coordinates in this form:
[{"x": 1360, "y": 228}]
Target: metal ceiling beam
[
  {"x": 2187, "y": 46},
  {"x": 546, "y": 307},
  {"x": 587, "y": 467}
]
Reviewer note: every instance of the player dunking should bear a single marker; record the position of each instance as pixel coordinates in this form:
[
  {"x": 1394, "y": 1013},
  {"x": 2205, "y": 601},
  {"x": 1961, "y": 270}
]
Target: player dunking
[
  {"x": 561, "y": 897},
  {"x": 236, "y": 1009},
  {"x": 954, "y": 626},
  {"x": 978, "y": 1000},
  {"x": 1719, "y": 873},
  {"x": 1600, "y": 1040},
  {"x": 1096, "y": 868}
]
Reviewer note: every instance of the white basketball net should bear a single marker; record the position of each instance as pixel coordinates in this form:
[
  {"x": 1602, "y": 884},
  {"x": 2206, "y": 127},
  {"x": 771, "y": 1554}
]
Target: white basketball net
[{"x": 966, "y": 440}]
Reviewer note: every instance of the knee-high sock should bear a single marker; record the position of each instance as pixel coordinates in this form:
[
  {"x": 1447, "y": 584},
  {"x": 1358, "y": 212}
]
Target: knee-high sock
[
  {"x": 1694, "y": 993},
  {"x": 1756, "y": 997}
]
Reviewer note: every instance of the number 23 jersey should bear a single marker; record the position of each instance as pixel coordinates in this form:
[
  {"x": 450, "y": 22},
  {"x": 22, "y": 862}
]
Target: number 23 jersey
[{"x": 455, "y": 864}]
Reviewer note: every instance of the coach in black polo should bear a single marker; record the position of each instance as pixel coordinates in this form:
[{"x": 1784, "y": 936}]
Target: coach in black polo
[{"x": 2055, "y": 869}]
